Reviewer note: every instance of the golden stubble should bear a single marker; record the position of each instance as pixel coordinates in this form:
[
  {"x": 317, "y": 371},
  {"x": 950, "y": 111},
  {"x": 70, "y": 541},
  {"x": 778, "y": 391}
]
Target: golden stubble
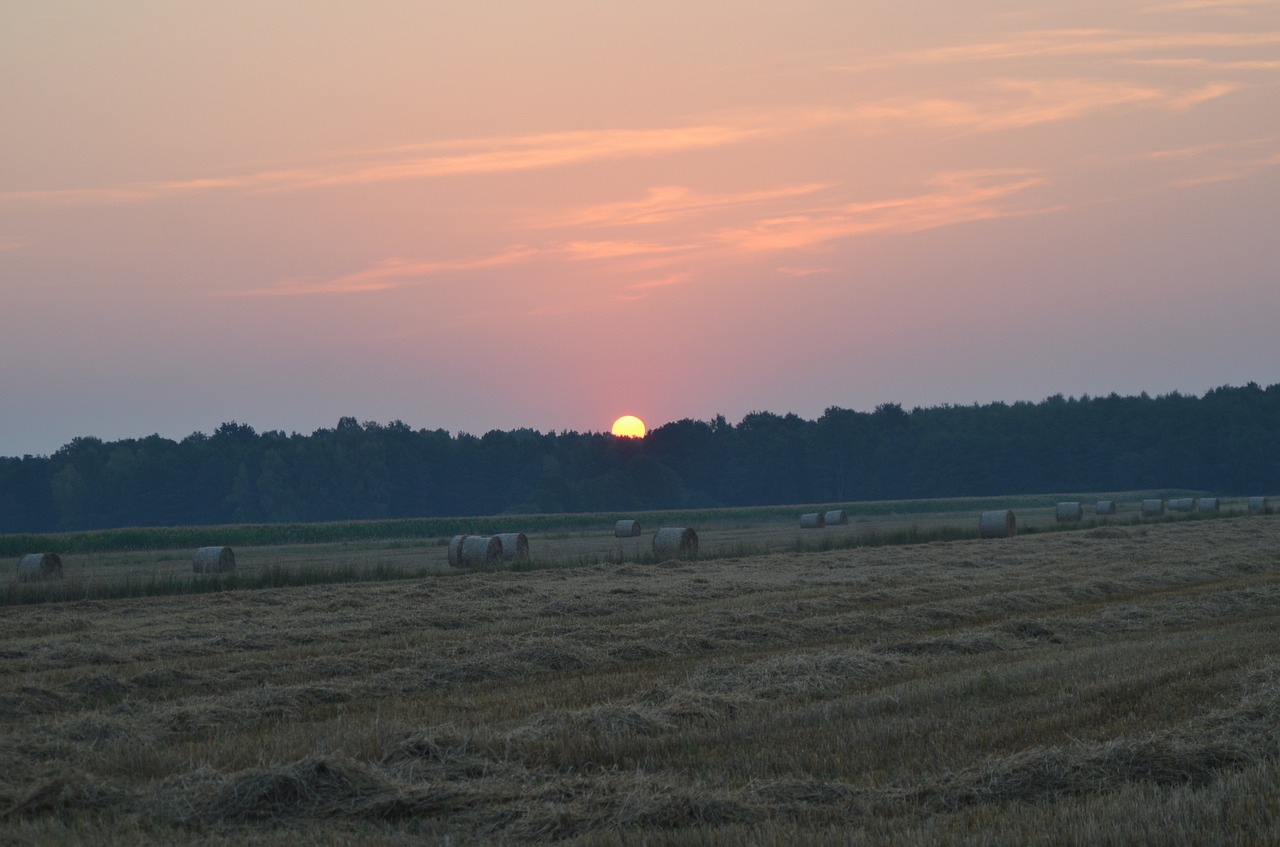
[{"x": 1120, "y": 680}]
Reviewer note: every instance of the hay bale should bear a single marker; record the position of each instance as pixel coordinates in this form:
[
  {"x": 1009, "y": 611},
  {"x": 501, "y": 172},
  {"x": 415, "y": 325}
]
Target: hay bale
[
  {"x": 1105, "y": 507},
  {"x": 836, "y": 517},
  {"x": 675, "y": 541},
  {"x": 480, "y": 550},
  {"x": 455, "y": 550},
  {"x": 1210, "y": 504},
  {"x": 626, "y": 529},
  {"x": 1153, "y": 507},
  {"x": 997, "y": 524},
  {"x": 214, "y": 560},
  {"x": 515, "y": 545},
  {"x": 34, "y": 567},
  {"x": 1069, "y": 512},
  {"x": 1182, "y": 504},
  {"x": 1258, "y": 505},
  {"x": 813, "y": 520}
]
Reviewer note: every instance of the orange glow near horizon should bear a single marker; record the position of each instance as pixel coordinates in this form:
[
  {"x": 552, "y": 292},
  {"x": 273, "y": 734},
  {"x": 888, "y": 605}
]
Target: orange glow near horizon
[{"x": 628, "y": 426}]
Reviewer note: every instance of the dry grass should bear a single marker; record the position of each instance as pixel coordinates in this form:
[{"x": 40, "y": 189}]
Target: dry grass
[{"x": 1117, "y": 685}]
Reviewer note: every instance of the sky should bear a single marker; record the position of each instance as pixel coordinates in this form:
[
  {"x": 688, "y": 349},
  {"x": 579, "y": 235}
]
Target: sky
[{"x": 500, "y": 214}]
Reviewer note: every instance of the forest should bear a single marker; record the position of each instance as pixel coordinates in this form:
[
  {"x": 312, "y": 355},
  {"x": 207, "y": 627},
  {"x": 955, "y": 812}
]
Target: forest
[{"x": 1226, "y": 441}]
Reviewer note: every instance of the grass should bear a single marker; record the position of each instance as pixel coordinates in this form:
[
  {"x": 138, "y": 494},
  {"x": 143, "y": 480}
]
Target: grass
[
  {"x": 1116, "y": 685},
  {"x": 152, "y": 570},
  {"x": 247, "y": 535},
  {"x": 167, "y": 582}
]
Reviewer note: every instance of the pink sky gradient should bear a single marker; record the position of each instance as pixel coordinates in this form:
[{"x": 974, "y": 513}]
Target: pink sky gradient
[{"x": 502, "y": 214}]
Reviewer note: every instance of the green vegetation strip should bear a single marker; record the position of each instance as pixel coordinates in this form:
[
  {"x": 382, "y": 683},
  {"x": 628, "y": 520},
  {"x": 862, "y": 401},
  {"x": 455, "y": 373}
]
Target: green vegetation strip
[
  {"x": 262, "y": 535},
  {"x": 166, "y": 583}
]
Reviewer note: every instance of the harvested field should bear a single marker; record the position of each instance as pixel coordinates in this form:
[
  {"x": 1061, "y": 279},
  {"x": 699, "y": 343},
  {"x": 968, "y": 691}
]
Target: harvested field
[{"x": 1110, "y": 685}]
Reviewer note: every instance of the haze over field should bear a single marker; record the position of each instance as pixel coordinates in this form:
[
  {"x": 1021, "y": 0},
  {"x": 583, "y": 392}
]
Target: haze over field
[{"x": 497, "y": 215}]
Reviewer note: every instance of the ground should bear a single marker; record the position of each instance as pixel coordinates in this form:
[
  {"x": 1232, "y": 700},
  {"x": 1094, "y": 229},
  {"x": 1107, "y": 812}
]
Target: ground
[{"x": 1119, "y": 684}]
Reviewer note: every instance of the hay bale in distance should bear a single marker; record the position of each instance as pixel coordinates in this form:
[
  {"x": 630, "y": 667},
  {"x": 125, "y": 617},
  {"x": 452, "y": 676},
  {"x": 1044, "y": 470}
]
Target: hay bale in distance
[
  {"x": 515, "y": 545},
  {"x": 999, "y": 523},
  {"x": 455, "y": 550},
  {"x": 480, "y": 550},
  {"x": 1152, "y": 507},
  {"x": 1209, "y": 504},
  {"x": 1105, "y": 507},
  {"x": 675, "y": 541},
  {"x": 1258, "y": 505},
  {"x": 1182, "y": 504},
  {"x": 214, "y": 560},
  {"x": 813, "y": 520},
  {"x": 626, "y": 529},
  {"x": 35, "y": 567},
  {"x": 1069, "y": 511},
  {"x": 836, "y": 517}
]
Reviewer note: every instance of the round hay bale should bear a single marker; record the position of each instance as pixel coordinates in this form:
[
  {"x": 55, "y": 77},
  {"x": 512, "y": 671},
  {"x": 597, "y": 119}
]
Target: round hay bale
[
  {"x": 1105, "y": 507},
  {"x": 480, "y": 550},
  {"x": 515, "y": 545},
  {"x": 675, "y": 541},
  {"x": 1152, "y": 507},
  {"x": 214, "y": 560},
  {"x": 1069, "y": 512},
  {"x": 813, "y": 520},
  {"x": 997, "y": 524},
  {"x": 34, "y": 567},
  {"x": 1258, "y": 505},
  {"x": 1182, "y": 504},
  {"x": 1209, "y": 504},
  {"x": 836, "y": 517},
  {"x": 626, "y": 529},
  {"x": 455, "y": 550}
]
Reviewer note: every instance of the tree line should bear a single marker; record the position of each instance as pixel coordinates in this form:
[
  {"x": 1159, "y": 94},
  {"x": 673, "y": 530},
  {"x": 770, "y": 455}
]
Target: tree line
[{"x": 1227, "y": 441}]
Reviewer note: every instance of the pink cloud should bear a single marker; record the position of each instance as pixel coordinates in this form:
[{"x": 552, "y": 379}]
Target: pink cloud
[
  {"x": 451, "y": 158},
  {"x": 387, "y": 274},
  {"x": 960, "y": 197},
  {"x": 618, "y": 249},
  {"x": 802, "y": 272},
  {"x": 1077, "y": 43},
  {"x": 674, "y": 202}
]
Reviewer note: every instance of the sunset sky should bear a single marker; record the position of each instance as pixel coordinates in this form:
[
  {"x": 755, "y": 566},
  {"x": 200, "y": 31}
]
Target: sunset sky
[{"x": 500, "y": 214}]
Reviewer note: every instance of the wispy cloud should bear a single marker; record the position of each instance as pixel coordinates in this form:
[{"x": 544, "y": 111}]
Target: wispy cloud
[
  {"x": 617, "y": 249},
  {"x": 1212, "y": 5},
  {"x": 670, "y": 203},
  {"x": 803, "y": 272},
  {"x": 1184, "y": 152},
  {"x": 958, "y": 197},
  {"x": 1188, "y": 100},
  {"x": 997, "y": 104},
  {"x": 1218, "y": 162},
  {"x": 442, "y": 159},
  {"x": 10, "y": 243},
  {"x": 1002, "y": 104},
  {"x": 662, "y": 282},
  {"x": 952, "y": 198},
  {"x": 1074, "y": 43},
  {"x": 398, "y": 272},
  {"x": 387, "y": 274},
  {"x": 1215, "y": 65},
  {"x": 1015, "y": 103}
]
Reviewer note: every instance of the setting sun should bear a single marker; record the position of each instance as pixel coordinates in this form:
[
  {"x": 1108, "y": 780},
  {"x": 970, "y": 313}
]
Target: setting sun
[{"x": 628, "y": 426}]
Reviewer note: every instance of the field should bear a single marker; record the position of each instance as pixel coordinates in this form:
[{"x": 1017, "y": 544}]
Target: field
[{"x": 1116, "y": 684}]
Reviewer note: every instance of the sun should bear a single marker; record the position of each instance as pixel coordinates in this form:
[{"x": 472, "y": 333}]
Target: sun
[{"x": 628, "y": 426}]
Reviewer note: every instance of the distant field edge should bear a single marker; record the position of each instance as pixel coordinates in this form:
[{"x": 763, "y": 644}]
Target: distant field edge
[{"x": 180, "y": 537}]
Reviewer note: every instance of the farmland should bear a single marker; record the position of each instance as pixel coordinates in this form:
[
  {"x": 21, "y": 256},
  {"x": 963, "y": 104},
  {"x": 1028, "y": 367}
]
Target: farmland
[{"x": 1115, "y": 684}]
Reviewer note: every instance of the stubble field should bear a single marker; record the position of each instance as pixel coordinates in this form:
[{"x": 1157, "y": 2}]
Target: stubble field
[{"x": 1119, "y": 685}]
